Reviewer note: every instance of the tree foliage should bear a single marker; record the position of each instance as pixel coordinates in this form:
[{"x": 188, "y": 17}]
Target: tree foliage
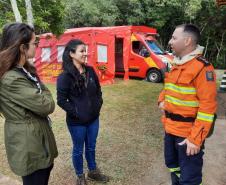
[
  {"x": 212, "y": 22},
  {"x": 90, "y": 13},
  {"x": 48, "y": 14},
  {"x": 6, "y": 13},
  {"x": 165, "y": 15}
]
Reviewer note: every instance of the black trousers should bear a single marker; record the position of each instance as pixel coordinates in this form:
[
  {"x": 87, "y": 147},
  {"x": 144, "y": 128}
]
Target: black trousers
[
  {"x": 185, "y": 170},
  {"x": 39, "y": 177}
]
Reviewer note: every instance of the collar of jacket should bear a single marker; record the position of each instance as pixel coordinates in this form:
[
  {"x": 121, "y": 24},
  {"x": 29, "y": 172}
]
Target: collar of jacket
[
  {"x": 30, "y": 77},
  {"x": 180, "y": 61}
]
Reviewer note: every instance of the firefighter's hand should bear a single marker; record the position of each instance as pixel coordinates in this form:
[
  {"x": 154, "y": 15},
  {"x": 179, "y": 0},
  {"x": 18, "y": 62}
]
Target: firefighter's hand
[
  {"x": 191, "y": 148},
  {"x": 161, "y": 106}
]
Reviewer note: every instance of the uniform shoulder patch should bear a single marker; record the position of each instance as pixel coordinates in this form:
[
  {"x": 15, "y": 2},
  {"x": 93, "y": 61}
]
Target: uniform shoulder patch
[
  {"x": 203, "y": 60},
  {"x": 209, "y": 76}
]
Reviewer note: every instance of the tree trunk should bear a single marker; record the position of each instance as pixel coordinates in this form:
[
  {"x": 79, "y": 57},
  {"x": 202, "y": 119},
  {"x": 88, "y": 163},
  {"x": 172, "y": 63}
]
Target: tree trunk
[
  {"x": 16, "y": 11},
  {"x": 207, "y": 44},
  {"x": 221, "y": 45},
  {"x": 203, "y": 27},
  {"x": 30, "y": 19}
]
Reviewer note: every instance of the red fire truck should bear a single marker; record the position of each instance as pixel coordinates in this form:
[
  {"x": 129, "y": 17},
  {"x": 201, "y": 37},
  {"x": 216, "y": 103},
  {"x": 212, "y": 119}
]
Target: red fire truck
[{"x": 131, "y": 51}]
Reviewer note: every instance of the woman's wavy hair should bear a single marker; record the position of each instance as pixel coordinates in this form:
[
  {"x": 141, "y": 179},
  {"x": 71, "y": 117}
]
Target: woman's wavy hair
[
  {"x": 13, "y": 36},
  {"x": 68, "y": 65}
]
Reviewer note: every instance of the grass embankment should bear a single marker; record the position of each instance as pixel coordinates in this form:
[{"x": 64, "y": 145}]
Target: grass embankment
[{"x": 130, "y": 136}]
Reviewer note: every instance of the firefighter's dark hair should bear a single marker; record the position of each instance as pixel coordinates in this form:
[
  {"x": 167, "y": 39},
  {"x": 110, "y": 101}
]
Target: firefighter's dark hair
[{"x": 192, "y": 30}]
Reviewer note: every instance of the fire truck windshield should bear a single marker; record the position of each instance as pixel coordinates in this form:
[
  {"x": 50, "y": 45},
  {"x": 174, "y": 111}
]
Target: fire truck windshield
[{"x": 154, "y": 46}]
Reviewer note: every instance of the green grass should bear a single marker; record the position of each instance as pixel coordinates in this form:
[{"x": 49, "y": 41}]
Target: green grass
[{"x": 129, "y": 140}]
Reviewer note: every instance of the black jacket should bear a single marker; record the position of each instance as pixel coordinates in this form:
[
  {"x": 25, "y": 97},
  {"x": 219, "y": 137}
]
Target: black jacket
[{"x": 81, "y": 107}]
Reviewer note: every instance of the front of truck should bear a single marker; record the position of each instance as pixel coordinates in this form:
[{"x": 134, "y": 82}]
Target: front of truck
[
  {"x": 161, "y": 58},
  {"x": 165, "y": 57}
]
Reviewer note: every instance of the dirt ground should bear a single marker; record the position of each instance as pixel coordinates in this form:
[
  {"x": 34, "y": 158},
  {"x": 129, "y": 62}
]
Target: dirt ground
[
  {"x": 7, "y": 181},
  {"x": 214, "y": 161},
  {"x": 214, "y": 158},
  {"x": 221, "y": 110}
]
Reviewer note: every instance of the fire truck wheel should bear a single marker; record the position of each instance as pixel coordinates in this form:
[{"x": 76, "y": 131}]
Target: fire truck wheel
[{"x": 154, "y": 76}]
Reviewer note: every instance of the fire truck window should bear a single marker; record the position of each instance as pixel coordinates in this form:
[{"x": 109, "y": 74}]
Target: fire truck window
[
  {"x": 140, "y": 49},
  {"x": 136, "y": 46},
  {"x": 60, "y": 50},
  {"x": 102, "y": 53},
  {"x": 144, "y": 51},
  {"x": 45, "y": 56}
]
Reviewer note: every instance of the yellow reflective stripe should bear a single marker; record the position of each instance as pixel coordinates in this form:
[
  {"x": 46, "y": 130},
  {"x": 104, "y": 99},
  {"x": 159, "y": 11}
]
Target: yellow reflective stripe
[
  {"x": 177, "y": 174},
  {"x": 174, "y": 169},
  {"x": 181, "y": 102},
  {"x": 180, "y": 89},
  {"x": 205, "y": 117}
]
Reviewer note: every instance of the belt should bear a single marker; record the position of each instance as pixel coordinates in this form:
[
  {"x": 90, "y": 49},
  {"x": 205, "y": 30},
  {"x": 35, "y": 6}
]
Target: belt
[{"x": 178, "y": 117}]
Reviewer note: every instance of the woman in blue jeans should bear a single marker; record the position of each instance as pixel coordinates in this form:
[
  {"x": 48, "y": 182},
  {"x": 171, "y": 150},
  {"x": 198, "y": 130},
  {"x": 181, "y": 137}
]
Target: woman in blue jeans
[{"x": 79, "y": 94}]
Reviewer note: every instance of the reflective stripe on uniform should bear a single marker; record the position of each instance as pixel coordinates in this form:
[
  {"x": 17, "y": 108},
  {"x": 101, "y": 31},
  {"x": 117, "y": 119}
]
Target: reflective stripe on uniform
[
  {"x": 181, "y": 102},
  {"x": 177, "y": 174},
  {"x": 180, "y": 89},
  {"x": 205, "y": 117},
  {"x": 176, "y": 171}
]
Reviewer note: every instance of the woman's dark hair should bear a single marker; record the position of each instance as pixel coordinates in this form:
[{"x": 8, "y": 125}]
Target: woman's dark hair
[
  {"x": 13, "y": 36},
  {"x": 68, "y": 65}
]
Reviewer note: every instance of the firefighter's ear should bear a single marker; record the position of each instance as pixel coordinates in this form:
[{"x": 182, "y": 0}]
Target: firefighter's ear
[{"x": 188, "y": 41}]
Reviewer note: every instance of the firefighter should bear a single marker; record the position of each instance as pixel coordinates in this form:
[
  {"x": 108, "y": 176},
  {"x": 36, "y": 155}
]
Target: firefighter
[{"x": 188, "y": 103}]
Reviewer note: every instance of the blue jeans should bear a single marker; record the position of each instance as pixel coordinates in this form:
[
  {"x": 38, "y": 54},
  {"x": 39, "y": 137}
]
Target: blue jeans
[
  {"x": 185, "y": 170},
  {"x": 84, "y": 134}
]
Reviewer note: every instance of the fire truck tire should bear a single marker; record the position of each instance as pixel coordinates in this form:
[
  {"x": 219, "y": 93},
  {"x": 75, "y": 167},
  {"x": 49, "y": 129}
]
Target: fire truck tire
[{"x": 154, "y": 76}]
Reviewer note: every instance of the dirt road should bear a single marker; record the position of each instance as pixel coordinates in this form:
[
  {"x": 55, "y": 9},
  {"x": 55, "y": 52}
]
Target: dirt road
[
  {"x": 214, "y": 161},
  {"x": 214, "y": 158},
  {"x": 8, "y": 181}
]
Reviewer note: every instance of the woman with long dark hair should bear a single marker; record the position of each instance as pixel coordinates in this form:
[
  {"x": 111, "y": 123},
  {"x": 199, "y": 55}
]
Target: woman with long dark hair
[
  {"x": 25, "y": 104},
  {"x": 79, "y": 94}
]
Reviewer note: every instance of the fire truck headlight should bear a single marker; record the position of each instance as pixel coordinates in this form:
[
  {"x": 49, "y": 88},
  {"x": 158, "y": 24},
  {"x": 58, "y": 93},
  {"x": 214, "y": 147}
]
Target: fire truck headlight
[{"x": 165, "y": 60}]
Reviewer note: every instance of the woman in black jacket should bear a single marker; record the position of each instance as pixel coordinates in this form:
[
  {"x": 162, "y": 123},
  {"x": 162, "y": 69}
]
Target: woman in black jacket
[{"x": 79, "y": 94}]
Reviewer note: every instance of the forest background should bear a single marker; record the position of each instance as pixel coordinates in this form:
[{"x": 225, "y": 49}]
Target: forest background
[{"x": 57, "y": 15}]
